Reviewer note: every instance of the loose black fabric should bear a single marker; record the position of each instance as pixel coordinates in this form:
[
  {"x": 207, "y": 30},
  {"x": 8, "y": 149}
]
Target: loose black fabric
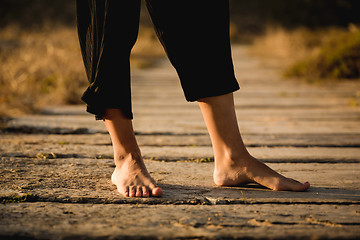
[{"x": 194, "y": 34}]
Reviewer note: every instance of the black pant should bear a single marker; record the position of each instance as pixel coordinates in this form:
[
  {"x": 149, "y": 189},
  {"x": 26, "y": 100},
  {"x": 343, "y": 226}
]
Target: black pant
[{"x": 194, "y": 34}]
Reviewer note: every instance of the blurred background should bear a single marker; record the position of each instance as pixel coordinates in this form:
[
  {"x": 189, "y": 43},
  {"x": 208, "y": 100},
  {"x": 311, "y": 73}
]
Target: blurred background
[{"x": 40, "y": 60}]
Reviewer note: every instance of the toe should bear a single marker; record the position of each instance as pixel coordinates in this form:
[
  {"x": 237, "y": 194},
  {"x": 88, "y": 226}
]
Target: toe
[
  {"x": 300, "y": 187},
  {"x": 294, "y": 185},
  {"x": 132, "y": 191},
  {"x": 306, "y": 186},
  {"x": 123, "y": 191},
  {"x": 126, "y": 192},
  {"x": 145, "y": 192},
  {"x": 138, "y": 191},
  {"x": 156, "y": 192}
]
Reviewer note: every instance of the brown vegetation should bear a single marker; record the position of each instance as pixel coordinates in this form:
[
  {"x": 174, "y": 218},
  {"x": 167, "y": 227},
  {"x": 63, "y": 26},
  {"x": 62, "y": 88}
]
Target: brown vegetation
[
  {"x": 338, "y": 57},
  {"x": 38, "y": 68},
  {"x": 316, "y": 55}
]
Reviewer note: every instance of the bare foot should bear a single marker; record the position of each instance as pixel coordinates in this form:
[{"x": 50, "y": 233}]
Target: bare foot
[
  {"x": 251, "y": 170},
  {"x": 132, "y": 178}
]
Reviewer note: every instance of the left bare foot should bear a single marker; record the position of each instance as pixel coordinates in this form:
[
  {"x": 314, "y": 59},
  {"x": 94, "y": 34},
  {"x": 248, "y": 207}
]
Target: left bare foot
[{"x": 132, "y": 178}]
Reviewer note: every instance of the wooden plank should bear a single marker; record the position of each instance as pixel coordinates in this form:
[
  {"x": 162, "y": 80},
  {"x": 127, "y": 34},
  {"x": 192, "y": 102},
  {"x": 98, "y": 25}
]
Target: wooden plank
[
  {"x": 99, "y": 149},
  {"x": 112, "y": 221},
  {"x": 161, "y": 139},
  {"x": 72, "y": 180},
  {"x": 266, "y": 125}
]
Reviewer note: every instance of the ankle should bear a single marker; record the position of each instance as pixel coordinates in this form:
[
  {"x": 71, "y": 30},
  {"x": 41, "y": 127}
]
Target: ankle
[
  {"x": 229, "y": 158},
  {"x": 120, "y": 158}
]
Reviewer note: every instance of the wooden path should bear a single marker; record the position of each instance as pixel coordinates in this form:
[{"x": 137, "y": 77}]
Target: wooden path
[{"x": 56, "y": 167}]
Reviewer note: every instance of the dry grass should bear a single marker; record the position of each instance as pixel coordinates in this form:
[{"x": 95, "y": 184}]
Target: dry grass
[
  {"x": 38, "y": 68},
  {"x": 338, "y": 58},
  {"x": 287, "y": 46},
  {"x": 42, "y": 67},
  {"x": 313, "y": 55}
]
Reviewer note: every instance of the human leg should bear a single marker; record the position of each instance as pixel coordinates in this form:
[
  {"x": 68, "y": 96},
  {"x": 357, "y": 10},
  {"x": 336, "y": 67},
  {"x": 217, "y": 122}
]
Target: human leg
[
  {"x": 233, "y": 163},
  {"x": 195, "y": 36},
  {"x": 130, "y": 175},
  {"x": 107, "y": 32}
]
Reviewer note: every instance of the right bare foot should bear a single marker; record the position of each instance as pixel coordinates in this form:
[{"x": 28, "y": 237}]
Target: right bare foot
[
  {"x": 229, "y": 172},
  {"x": 132, "y": 178}
]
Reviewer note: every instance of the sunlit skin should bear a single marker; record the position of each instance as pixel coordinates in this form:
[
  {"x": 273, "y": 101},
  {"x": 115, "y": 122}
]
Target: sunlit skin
[
  {"x": 233, "y": 163},
  {"x": 130, "y": 175}
]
